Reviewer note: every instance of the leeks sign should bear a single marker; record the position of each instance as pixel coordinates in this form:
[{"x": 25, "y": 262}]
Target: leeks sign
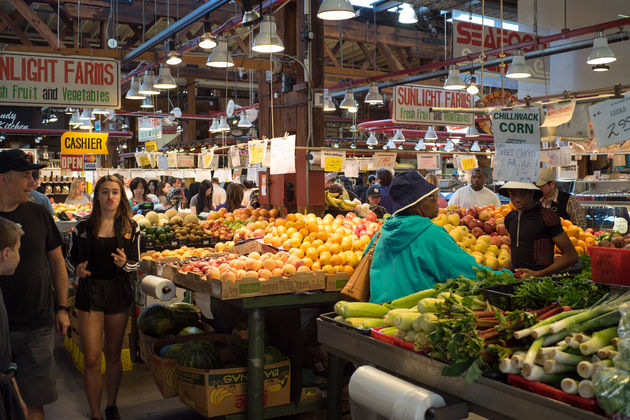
[
  {"x": 412, "y": 104},
  {"x": 28, "y": 79}
]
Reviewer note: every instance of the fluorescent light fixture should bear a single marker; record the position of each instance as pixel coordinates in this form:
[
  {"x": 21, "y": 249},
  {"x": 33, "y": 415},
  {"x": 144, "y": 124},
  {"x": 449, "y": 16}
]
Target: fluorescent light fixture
[
  {"x": 329, "y": 105},
  {"x": 53, "y": 118},
  {"x": 267, "y": 40},
  {"x": 373, "y": 96},
  {"x": 174, "y": 58},
  {"x": 420, "y": 145},
  {"x": 207, "y": 41},
  {"x": 223, "y": 125},
  {"x": 146, "y": 88},
  {"x": 220, "y": 57},
  {"x": 164, "y": 79},
  {"x": 407, "y": 15},
  {"x": 472, "y": 132},
  {"x": 454, "y": 80},
  {"x": 348, "y": 103},
  {"x": 134, "y": 90},
  {"x": 335, "y": 10},
  {"x": 244, "y": 122},
  {"x": 601, "y": 53},
  {"x": 601, "y": 67},
  {"x": 475, "y": 147},
  {"x": 430, "y": 134},
  {"x": 518, "y": 69},
  {"x": 147, "y": 103}
]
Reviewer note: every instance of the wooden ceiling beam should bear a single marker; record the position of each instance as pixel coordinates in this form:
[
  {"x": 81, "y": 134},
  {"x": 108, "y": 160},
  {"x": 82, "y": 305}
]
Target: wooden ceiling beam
[
  {"x": 391, "y": 59},
  {"x": 35, "y": 21},
  {"x": 402, "y": 55},
  {"x": 241, "y": 44},
  {"x": 14, "y": 28},
  {"x": 366, "y": 53},
  {"x": 331, "y": 55}
]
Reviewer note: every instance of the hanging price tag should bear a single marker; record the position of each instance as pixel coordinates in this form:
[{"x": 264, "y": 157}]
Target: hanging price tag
[
  {"x": 150, "y": 146},
  {"x": 593, "y": 157},
  {"x": 257, "y": 149},
  {"x": 578, "y": 157},
  {"x": 469, "y": 163},
  {"x": 333, "y": 161}
]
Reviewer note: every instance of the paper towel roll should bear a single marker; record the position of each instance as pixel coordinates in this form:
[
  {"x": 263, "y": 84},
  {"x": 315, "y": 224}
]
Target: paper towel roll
[
  {"x": 158, "y": 287},
  {"x": 390, "y": 396},
  {"x": 203, "y": 302}
]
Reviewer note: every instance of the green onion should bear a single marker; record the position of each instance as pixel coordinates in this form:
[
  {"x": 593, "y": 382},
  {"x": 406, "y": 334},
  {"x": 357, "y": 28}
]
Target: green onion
[
  {"x": 569, "y": 385},
  {"x": 600, "y": 339},
  {"x": 603, "y": 352},
  {"x": 505, "y": 366},
  {"x": 538, "y": 374},
  {"x": 566, "y": 358},
  {"x": 527, "y": 331},
  {"x": 586, "y": 389},
  {"x": 532, "y": 352},
  {"x": 552, "y": 366}
]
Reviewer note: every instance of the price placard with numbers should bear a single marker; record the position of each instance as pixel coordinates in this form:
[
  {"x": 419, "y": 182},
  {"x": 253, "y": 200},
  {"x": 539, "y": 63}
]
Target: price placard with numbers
[
  {"x": 384, "y": 160},
  {"x": 333, "y": 161},
  {"x": 611, "y": 121},
  {"x": 428, "y": 161},
  {"x": 516, "y": 162}
]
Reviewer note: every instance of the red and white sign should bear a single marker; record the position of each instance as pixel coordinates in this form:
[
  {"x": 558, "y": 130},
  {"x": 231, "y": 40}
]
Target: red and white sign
[
  {"x": 412, "y": 103},
  {"x": 72, "y": 162},
  {"x": 467, "y": 40},
  {"x": 33, "y": 79},
  {"x": 559, "y": 113}
]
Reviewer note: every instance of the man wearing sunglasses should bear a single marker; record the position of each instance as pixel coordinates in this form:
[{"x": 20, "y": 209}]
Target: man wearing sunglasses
[{"x": 28, "y": 293}]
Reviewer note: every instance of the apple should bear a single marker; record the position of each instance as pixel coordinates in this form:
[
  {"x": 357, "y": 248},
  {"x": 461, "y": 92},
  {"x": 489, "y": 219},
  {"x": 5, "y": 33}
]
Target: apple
[
  {"x": 502, "y": 230},
  {"x": 466, "y": 219},
  {"x": 499, "y": 221},
  {"x": 484, "y": 216},
  {"x": 453, "y": 219},
  {"x": 489, "y": 226},
  {"x": 473, "y": 212},
  {"x": 477, "y": 231},
  {"x": 475, "y": 223},
  {"x": 496, "y": 240},
  {"x": 371, "y": 216}
]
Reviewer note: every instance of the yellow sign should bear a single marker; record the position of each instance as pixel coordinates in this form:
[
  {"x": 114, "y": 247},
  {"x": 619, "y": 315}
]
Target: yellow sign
[
  {"x": 469, "y": 163},
  {"x": 150, "y": 146},
  {"x": 79, "y": 143},
  {"x": 257, "y": 154},
  {"x": 144, "y": 160},
  {"x": 333, "y": 164}
]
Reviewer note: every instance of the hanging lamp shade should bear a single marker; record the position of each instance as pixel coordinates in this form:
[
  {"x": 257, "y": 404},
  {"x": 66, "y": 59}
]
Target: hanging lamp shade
[
  {"x": 70, "y": 111},
  {"x": 329, "y": 105},
  {"x": 407, "y": 15},
  {"x": 75, "y": 120},
  {"x": 86, "y": 115},
  {"x": 164, "y": 79},
  {"x": 390, "y": 144},
  {"x": 223, "y": 125},
  {"x": 449, "y": 146},
  {"x": 601, "y": 53},
  {"x": 147, "y": 103},
  {"x": 134, "y": 88},
  {"x": 398, "y": 136},
  {"x": 348, "y": 103},
  {"x": 244, "y": 122},
  {"x": 472, "y": 132},
  {"x": 475, "y": 147},
  {"x": 373, "y": 96},
  {"x": 207, "y": 41},
  {"x": 420, "y": 145},
  {"x": 220, "y": 57},
  {"x": 53, "y": 118},
  {"x": 146, "y": 88},
  {"x": 430, "y": 134},
  {"x": 214, "y": 127},
  {"x": 267, "y": 40},
  {"x": 472, "y": 87},
  {"x": 250, "y": 17},
  {"x": 601, "y": 67},
  {"x": 454, "y": 80},
  {"x": 174, "y": 58},
  {"x": 518, "y": 69},
  {"x": 335, "y": 10},
  {"x": 372, "y": 140}
]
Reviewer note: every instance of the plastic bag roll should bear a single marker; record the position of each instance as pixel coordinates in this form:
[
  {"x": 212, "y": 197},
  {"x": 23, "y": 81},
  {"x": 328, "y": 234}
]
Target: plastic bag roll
[
  {"x": 158, "y": 287},
  {"x": 391, "y": 397},
  {"x": 203, "y": 302}
]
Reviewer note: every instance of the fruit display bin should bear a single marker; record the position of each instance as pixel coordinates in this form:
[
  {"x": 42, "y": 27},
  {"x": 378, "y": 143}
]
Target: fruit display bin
[
  {"x": 610, "y": 265},
  {"x": 330, "y": 317}
]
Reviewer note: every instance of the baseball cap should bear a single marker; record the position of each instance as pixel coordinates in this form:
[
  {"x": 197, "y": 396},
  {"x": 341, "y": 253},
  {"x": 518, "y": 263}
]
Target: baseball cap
[
  {"x": 374, "y": 191},
  {"x": 17, "y": 160},
  {"x": 546, "y": 175}
]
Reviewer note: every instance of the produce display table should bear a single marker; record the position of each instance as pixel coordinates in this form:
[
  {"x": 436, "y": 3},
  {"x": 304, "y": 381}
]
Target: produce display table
[{"x": 486, "y": 397}]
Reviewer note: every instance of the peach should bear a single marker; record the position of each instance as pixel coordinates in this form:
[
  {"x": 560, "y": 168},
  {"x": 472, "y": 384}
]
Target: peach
[
  {"x": 238, "y": 264},
  {"x": 269, "y": 264},
  {"x": 264, "y": 274},
  {"x": 240, "y": 274},
  {"x": 231, "y": 257},
  {"x": 276, "y": 272},
  {"x": 303, "y": 269},
  {"x": 251, "y": 273},
  {"x": 227, "y": 275},
  {"x": 254, "y": 255},
  {"x": 223, "y": 266},
  {"x": 288, "y": 270},
  {"x": 283, "y": 256},
  {"x": 279, "y": 263},
  {"x": 213, "y": 273},
  {"x": 252, "y": 264}
]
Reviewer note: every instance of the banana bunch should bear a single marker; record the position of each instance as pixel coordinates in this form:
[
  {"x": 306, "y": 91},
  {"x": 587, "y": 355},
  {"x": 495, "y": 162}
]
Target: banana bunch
[
  {"x": 218, "y": 395},
  {"x": 332, "y": 200},
  {"x": 348, "y": 205}
]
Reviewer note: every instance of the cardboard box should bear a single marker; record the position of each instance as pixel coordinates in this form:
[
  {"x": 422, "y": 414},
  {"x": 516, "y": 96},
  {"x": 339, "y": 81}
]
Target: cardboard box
[
  {"x": 253, "y": 245},
  {"x": 224, "y": 391},
  {"x": 337, "y": 281},
  {"x": 252, "y": 286}
]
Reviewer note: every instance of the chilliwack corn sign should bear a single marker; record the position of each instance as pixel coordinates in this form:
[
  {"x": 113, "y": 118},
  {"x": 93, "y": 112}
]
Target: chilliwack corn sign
[{"x": 28, "y": 79}]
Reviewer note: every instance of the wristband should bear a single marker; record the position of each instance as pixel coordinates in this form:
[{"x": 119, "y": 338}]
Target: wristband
[{"x": 63, "y": 308}]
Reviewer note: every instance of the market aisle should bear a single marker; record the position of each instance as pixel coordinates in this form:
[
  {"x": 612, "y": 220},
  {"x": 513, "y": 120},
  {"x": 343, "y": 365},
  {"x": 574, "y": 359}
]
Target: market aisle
[{"x": 138, "y": 397}]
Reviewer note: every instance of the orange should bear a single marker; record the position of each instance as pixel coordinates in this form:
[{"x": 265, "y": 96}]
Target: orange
[
  {"x": 275, "y": 241},
  {"x": 317, "y": 242},
  {"x": 304, "y": 232},
  {"x": 334, "y": 248},
  {"x": 574, "y": 240},
  {"x": 335, "y": 259},
  {"x": 352, "y": 258},
  {"x": 291, "y": 217},
  {"x": 325, "y": 258},
  {"x": 286, "y": 245},
  {"x": 307, "y": 262},
  {"x": 573, "y": 231},
  {"x": 291, "y": 231},
  {"x": 297, "y": 236},
  {"x": 312, "y": 226},
  {"x": 322, "y": 248},
  {"x": 322, "y": 234},
  {"x": 338, "y": 268},
  {"x": 346, "y": 243},
  {"x": 328, "y": 269},
  {"x": 582, "y": 244},
  {"x": 297, "y": 252},
  {"x": 590, "y": 241},
  {"x": 336, "y": 238},
  {"x": 305, "y": 245},
  {"x": 583, "y": 235},
  {"x": 289, "y": 224},
  {"x": 312, "y": 253},
  {"x": 579, "y": 250},
  {"x": 284, "y": 237},
  {"x": 280, "y": 230},
  {"x": 348, "y": 269},
  {"x": 316, "y": 266}
]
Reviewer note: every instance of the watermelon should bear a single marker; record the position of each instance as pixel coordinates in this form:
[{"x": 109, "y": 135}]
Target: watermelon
[
  {"x": 155, "y": 320},
  {"x": 170, "y": 351},
  {"x": 273, "y": 355},
  {"x": 199, "y": 355},
  {"x": 190, "y": 331},
  {"x": 239, "y": 335},
  {"x": 184, "y": 315}
]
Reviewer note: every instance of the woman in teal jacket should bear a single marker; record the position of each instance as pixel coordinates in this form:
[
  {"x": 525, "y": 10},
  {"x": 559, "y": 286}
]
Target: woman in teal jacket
[{"x": 412, "y": 253}]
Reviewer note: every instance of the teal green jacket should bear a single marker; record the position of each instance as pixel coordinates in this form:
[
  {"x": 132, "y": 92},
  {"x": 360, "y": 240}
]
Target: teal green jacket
[{"x": 413, "y": 254}]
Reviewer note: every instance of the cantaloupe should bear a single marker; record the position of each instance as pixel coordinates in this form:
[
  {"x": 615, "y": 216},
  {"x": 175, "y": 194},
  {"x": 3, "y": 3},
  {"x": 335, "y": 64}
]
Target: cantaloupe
[
  {"x": 152, "y": 217},
  {"x": 191, "y": 218},
  {"x": 143, "y": 222},
  {"x": 170, "y": 213}
]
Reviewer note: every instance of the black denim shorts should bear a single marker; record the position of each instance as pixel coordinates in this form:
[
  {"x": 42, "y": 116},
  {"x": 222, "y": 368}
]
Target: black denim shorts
[{"x": 111, "y": 296}]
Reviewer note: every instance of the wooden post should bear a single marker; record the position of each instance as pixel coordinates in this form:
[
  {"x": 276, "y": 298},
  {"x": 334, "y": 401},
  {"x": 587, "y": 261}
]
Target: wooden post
[{"x": 190, "y": 132}]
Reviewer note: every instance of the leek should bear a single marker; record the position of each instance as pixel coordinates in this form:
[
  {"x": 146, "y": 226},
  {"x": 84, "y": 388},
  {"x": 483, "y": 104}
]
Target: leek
[
  {"x": 551, "y": 366},
  {"x": 527, "y": 331},
  {"x": 404, "y": 321},
  {"x": 572, "y": 342},
  {"x": 412, "y": 300},
  {"x": 569, "y": 385},
  {"x": 581, "y": 338},
  {"x": 505, "y": 366},
  {"x": 586, "y": 389},
  {"x": 600, "y": 339},
  {"x": 566, "y": 358},
  {"x": 553, "y": 338},
  {"x": 517, "y": 360},
  {"x": 603, "y": 352},
  {"x": 587, "y": 369},
  {"x": 588, "y": 314},
  {"x": 532, "y": 352},
  {"x": 538, "y": 374}
]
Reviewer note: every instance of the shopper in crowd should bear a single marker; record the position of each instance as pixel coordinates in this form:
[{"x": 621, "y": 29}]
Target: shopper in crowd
[
  {"x": 384, "y": 178},
  {"x": 202, "y": 201},
  {"x": 38, "y": 197},
  {"x": 374, "y": 199},
  {"x": 360, "y": 188},
  {"x": 154, "y": 186},
  {"x": 128, "y": 189},
  {"x": 562, "y": 203},
  {"x": 12, "y": 406},
  {"x": 141, "y": 194},
  {"x": 371, "y": 181},
  {"x": 219, "y": 195},
  {"x": 433, "y": 180},
  {"x": 247, "y": 194},
  {"x": 77, "y": 194},
  {"x": 164, "y": 189},
  {"x": 331, "y": 185},
  {"x": 190, "y": 192},
  {"x": 412, "y": 253},
  {"x": 475, "y": 193},
  {"x": 105, "y": 251},
  {"x": 28, "y": 293},
  {"x": 234, "y": 198},
  {"x": 534, "y": 230},
  {"x": 349, "y": 187}
]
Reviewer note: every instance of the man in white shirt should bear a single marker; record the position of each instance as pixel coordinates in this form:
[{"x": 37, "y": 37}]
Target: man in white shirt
[
  {"x": 218, "y": 194},
  {"x": 475, "y": 194}
]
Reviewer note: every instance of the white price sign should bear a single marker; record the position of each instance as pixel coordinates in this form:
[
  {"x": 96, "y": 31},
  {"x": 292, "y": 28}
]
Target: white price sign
[
  {"x": 516, "y": 162},
  {"x": 428, "y": 161},
  {"x": 516, "y": 126},
  {"x": 611, "y": 121}
]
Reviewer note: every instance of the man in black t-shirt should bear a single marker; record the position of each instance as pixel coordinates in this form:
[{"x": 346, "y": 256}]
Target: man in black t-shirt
[{"x": 28, "y": 293}]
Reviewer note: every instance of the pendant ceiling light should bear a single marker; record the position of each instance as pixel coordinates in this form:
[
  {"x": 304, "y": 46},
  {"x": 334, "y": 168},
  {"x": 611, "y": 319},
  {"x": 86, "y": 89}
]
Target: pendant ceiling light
[
  {"x": 53, "y": 118},
  {"x": 472, "y": 132},
  {"x": 329, "y": 105},
  {"x": 85, "y": 125},
  {"x": 398, "y": 136},
  {"x": 420, "y": 145},
  {"x": 147, "y": 103},
  {"x": 69, "y": 111},
  {"x": 518, "y": 69},
  {"x": 407, "y": 15},
  {"x": 134, "y": 88},
  {"x": 454, "y": 80},
  {"x": 223, "y": 125},
  {"x": 348, "y": 103},
  {"x": 243, "y": 122},
  {"x": 146, "y": 88},
  {"x": 601, "y": 67},
  {"x": 214, "y": 127},
  {"x": 207, "y": 41},
  {"x": 220, "y": 56},
  {"x": 267, "y": 40},
  {"x": 164, "y": 79},
  {"x": 390, "y": 144},
  {"x": 372, "y": 140},
  {"x": 75, "y": 120},
  {"x": 471, "y": 86},
  {"x": 86, "y": 115},
  {"x": 601, "y": 53},
  {"x": 475, "y": 147},
  {"x": 173, "y": 58},
  {"x": 250, "y": 17},
  {"x": 373, "y": 96},
  {"x": 449, "y": 146},
  {"x": 430, "y": 134},
  {"x": 335, "y": 10}
]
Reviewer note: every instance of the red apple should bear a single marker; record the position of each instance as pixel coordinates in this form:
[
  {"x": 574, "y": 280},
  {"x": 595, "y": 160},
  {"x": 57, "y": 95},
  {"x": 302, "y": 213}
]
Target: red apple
[
  {"x": 477, "y": 231},
  {"x": 473, "y": 212},
  {"x": 496, "y": 240},
  {"x": 371, "y": 216},
  {"x": 466, "y": 219},
  {"x": 475, "y": 223},
  {"x": 502, "y": 230},
  {"x": 489, "y": 226}
]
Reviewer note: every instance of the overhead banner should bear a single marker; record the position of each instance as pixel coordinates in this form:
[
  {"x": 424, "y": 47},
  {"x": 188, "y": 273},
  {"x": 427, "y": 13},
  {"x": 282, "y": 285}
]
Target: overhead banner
[
  {"x": 521, "y": 125},
  {"x": 611, "y": 121},
  {"x": 80, "y": 143},
  {"x": 467, "y": 37},
  {"x": 34, "y": 79},
  {"x": 412, "y": 104}
]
